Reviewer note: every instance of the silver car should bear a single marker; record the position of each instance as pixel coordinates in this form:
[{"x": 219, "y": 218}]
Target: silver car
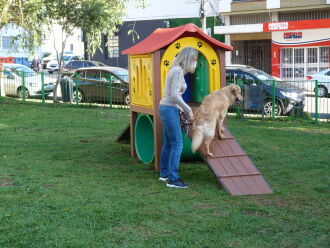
[
  {"x": 11, "y": 81},
  {"x": 323, "y": 78}
]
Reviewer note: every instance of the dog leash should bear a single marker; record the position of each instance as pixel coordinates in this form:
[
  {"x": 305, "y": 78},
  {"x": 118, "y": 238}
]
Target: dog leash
[{"x": 184, "y": 122}]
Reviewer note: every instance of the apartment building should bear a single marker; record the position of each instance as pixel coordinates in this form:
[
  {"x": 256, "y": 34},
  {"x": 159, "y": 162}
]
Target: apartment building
[{"x": 286, "y": 38}]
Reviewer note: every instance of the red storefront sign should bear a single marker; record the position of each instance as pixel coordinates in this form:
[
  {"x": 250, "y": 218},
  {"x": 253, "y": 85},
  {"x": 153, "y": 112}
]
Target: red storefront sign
[{"x": 296, "y": 25}]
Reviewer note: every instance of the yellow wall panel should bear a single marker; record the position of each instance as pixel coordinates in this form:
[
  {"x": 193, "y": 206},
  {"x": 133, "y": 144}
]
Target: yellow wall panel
[{"x": 141, "y": 88}]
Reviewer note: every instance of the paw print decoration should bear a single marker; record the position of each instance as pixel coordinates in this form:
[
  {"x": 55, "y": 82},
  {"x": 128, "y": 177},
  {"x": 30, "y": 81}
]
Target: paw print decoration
[
  {"x": 166, "y": 63},
  {"x": 213, "y": 62},
  {"x": 199, "y": 44},
  {"x": 177, "y": 45}
]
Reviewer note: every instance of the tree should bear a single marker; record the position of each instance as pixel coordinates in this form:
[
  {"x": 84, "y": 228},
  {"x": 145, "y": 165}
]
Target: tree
[
  {"x": 94, "y": 17},
  {"x": 23, "y": 14}
]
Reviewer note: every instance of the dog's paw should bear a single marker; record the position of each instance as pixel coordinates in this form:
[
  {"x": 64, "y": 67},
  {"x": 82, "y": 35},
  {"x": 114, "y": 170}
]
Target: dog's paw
[
  {"x": 222, "y": 136},
  {"x": 210, "y": 154}
]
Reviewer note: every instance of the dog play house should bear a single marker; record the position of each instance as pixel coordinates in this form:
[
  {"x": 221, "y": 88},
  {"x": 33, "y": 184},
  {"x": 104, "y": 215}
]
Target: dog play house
[{"x": 149, "y": 62}]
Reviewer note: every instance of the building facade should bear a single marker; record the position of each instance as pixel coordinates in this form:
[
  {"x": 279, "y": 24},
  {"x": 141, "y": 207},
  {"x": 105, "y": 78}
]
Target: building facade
[
  {"x": 289, "y": 39},
  {"x": 9, "y": 48}
]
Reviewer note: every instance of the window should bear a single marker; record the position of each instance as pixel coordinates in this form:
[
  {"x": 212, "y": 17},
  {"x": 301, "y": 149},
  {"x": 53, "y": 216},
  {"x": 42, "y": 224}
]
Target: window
[
  {"x": 76, "y": 64},
  {"x": 82, "y": 74},
  {"x": 303, "y": 15},
  {"x": 71, "y": 47},
  {"x": 113, "y": 47},
  {"x": 248, "y": 19},
  {"x": 296, "y": 63},
  {"x": 91, "y": 74},
  {"x": 89, "y": 63},
  {"x": 8, "y": 42}
]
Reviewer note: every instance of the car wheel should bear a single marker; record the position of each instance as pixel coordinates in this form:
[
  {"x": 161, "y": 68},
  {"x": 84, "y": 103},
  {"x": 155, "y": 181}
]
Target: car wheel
[
  {"x": 81, "y": 96},
  {"x": 268, "y": 108},
  {"x": 20, "y": 93},
  {"x": 322, "y": 91},
  {"x": 127, "y": 99}
]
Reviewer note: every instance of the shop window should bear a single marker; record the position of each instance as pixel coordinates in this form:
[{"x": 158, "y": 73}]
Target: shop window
[
  {"x": 286, "y": 55},
  {"x": 299, "y": 57},
  {"x": 287, "y": 73},
  {"x": 312, "y": 55},
  {"x": 255, "y": 53},
  {"x": 311, "y": 70},
  {"x": 296, "y": 63},
  {"x": 324, "y": 54},
  {"x": 299, "y": 72}
]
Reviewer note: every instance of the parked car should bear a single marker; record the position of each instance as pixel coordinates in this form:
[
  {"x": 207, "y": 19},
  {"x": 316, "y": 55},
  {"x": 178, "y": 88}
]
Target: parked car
[
  {"x": 53, "y": 64},
  {"x": 73, "y": 66},
  {"x": 45, "y": 60},
  {"x": 12, "y": 77},
  {"x": 94, "y": 84},
  {"x": 257, "y": 91},
  {"x": 323, "y": 78}
]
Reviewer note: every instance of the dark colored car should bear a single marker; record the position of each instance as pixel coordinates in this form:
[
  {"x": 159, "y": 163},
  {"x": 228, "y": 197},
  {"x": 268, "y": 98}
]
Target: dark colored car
[
  {"x": 73, "y": 66},
  {"x": 257, "y": 91},
  {"x": 94, "y": 85}
]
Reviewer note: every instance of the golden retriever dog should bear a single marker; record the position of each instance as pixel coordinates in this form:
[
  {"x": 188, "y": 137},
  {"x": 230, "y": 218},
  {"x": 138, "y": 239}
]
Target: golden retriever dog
[{"x": 210, "y": 115}]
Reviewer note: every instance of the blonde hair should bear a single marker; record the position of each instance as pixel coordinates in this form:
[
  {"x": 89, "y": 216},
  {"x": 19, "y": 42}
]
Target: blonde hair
[{"x": 185, "y": 59}]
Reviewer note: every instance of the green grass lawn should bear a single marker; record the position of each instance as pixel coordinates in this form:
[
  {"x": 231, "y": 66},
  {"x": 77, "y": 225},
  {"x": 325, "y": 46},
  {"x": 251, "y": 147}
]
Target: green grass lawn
[{"x": 65, "y": 182}]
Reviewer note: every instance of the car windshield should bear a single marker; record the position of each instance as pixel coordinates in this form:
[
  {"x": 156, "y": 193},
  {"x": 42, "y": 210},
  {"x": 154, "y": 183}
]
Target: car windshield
[
  {"x": 66, "y": 58},
  {"x": 122, "y": 74},
  {"x": 263, "y": 76},
  {"x": 18, "y": 70}
]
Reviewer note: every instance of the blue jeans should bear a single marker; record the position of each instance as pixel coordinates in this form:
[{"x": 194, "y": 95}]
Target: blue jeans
[{"x": 172, "y": 142}]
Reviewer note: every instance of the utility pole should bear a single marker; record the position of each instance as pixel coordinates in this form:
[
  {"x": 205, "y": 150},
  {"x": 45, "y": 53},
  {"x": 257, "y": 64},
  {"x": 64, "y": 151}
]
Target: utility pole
[{"x": 202, "y": 15}]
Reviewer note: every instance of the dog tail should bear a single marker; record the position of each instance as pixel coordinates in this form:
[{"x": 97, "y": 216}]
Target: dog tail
[{"x": 197, "y": 138}]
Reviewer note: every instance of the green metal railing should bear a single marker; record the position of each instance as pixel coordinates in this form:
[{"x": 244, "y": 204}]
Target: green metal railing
[
  {"x": 281, "y": 99},
  {"x": 38, "y": 87},
  {"x": 260, "y": 101}
]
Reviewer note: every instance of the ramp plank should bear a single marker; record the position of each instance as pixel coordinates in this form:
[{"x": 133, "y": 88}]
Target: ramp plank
[{"x": 233, "y": 168}]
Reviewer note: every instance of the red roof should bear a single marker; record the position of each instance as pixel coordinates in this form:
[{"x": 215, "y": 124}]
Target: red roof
[{"x": 162, "y": 37}]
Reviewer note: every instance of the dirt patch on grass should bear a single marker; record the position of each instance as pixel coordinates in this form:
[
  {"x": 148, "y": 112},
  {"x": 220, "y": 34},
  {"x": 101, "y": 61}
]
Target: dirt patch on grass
[
  {"x": 256, "y": 213},
  {"x": 262, "y": 201},
  {"x": 204, "y": 206},
  {"x": 5, "y": 181}
]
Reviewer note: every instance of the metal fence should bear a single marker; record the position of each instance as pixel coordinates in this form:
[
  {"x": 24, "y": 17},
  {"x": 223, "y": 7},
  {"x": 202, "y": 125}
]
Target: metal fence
[
  {"x": 266, "y": 100},
  {"x": 87, "y": 89},
  {"x": 282, "y": 99}
]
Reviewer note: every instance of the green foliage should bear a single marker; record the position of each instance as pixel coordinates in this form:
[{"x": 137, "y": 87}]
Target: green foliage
[
  {"x": 94, "y": 17},
  {"x": 66, "y": 182},
  {"x": 25, "y": 14}
]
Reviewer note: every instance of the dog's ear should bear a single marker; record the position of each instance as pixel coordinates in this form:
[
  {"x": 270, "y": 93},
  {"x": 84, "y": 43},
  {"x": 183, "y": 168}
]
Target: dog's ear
[{"x": 233, "y": 91}]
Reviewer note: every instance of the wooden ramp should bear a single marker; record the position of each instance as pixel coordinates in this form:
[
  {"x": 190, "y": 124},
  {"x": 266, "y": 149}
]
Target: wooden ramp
[
  {"x": 230, "y": 164},
  {"x": 233, "y": 168}
]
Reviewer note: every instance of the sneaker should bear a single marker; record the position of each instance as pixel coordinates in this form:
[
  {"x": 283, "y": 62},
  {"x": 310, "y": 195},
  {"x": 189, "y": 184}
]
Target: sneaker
[
  {"x": 163, "y": 179},
  {"x": 177, "y": 184}
]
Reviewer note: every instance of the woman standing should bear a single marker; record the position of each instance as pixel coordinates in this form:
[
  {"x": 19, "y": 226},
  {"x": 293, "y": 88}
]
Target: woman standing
[{"x": 169, "y": 111}]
